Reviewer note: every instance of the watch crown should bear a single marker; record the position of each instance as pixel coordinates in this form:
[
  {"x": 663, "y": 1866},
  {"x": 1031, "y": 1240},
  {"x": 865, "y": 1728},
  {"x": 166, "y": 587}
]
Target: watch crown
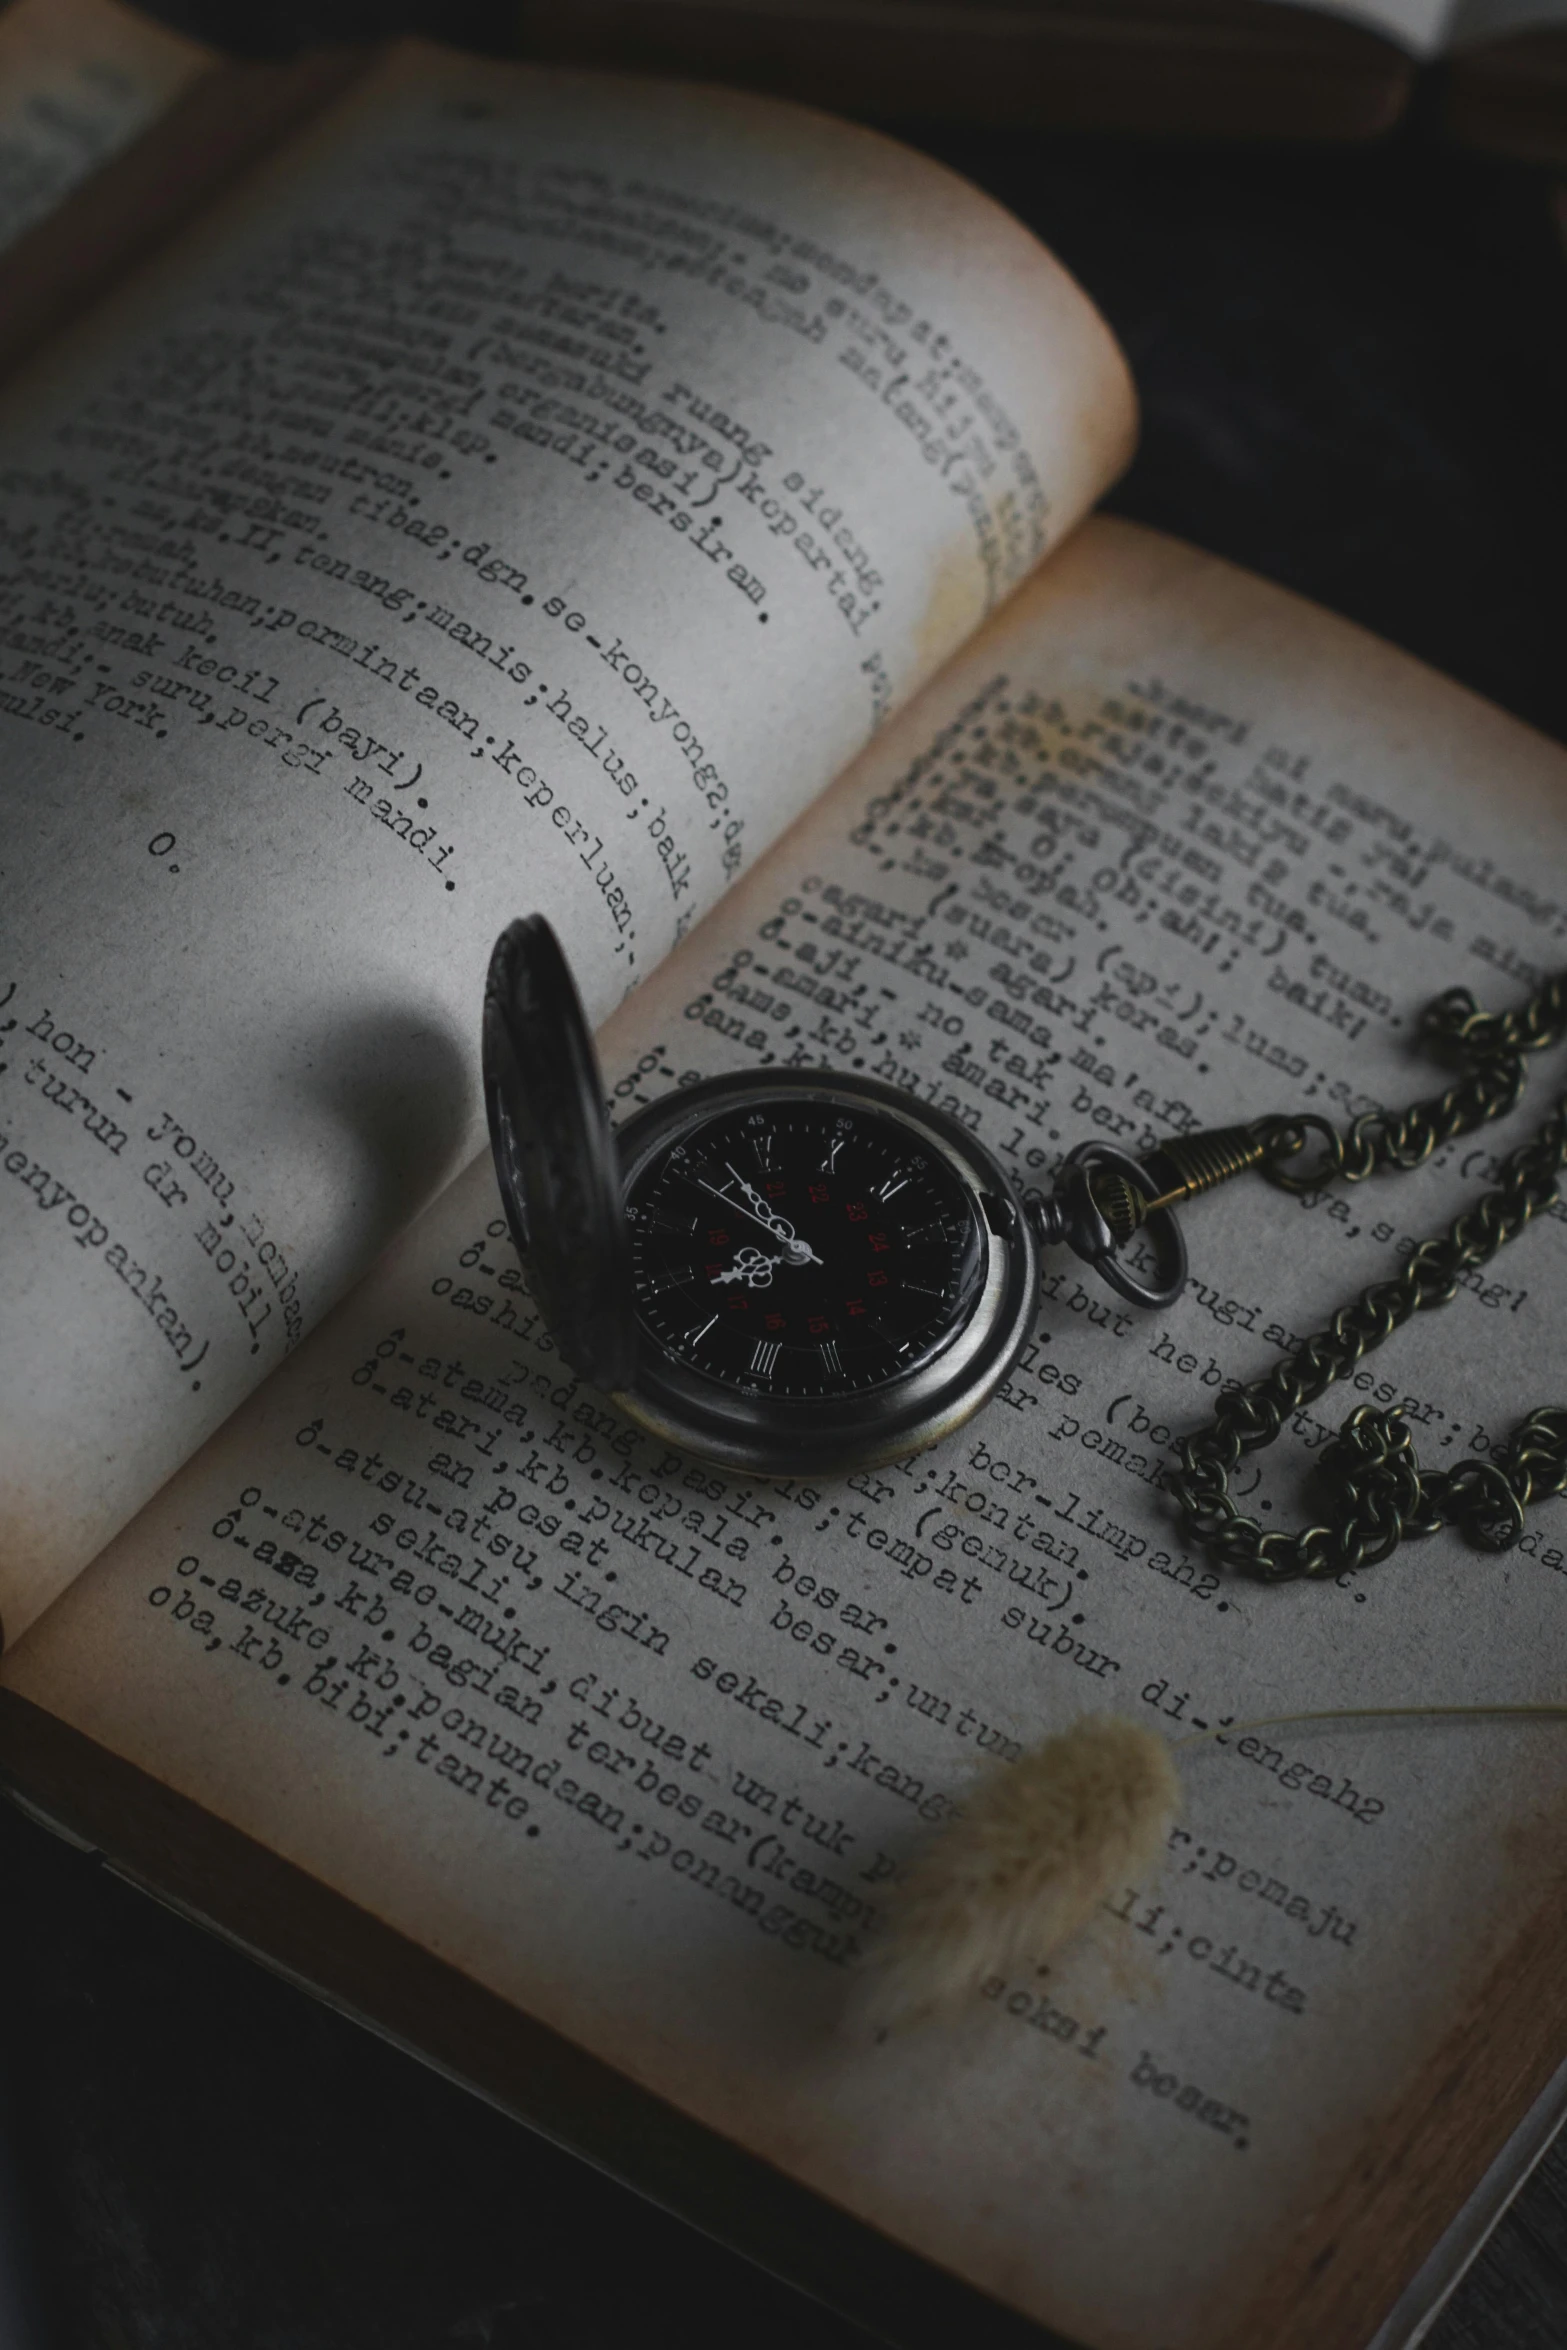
[{"x": 1119, "y": 1201}]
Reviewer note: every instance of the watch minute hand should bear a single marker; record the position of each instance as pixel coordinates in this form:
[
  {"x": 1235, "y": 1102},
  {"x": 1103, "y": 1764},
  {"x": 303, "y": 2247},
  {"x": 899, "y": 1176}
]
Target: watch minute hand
[
  {"x": 760, "y": 1209},
  {"x": 800, "y": 1251}
]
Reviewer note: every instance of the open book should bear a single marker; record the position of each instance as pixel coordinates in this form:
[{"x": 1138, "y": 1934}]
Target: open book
[{"x": 666, "y": 509}]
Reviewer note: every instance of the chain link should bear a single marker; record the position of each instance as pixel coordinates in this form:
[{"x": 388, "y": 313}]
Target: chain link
[{"x": 1375, "y": 1495}]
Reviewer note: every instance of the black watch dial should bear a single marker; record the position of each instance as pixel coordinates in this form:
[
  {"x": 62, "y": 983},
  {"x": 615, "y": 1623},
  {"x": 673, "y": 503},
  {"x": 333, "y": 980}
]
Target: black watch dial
[{"x": 797, "y": 1248}]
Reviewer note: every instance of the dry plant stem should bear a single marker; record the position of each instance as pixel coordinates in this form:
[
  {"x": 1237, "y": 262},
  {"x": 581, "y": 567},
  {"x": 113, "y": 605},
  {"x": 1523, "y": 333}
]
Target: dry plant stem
[
  {"x": 1374, "y": 1713},
  {"x": 1036, "y": 1849}
]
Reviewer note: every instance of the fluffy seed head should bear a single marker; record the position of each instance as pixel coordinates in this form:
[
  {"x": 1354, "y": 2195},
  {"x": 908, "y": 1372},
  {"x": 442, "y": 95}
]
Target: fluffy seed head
[{"x": 1037, "y": 1846}]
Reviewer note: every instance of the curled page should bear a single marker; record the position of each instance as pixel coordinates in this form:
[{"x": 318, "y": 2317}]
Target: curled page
[{"x": 528, "y": 494}]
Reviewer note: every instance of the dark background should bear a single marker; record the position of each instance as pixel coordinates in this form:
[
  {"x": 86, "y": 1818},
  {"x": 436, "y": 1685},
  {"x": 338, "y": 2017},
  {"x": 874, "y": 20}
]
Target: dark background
[{"x": 1353, "y": 366}]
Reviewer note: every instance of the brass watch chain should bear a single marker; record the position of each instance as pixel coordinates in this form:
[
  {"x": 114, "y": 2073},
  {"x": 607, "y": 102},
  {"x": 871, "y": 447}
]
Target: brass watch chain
[{"x": 1375, "y": 1494}]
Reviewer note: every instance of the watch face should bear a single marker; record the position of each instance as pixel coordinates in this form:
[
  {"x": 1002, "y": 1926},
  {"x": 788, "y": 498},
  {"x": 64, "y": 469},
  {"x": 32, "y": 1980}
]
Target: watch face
[{"x": 797, "y": 1248}]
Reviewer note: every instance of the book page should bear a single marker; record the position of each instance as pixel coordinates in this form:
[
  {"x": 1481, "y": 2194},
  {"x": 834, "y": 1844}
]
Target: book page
[
  {"x": 641, "y": 1745},
  {"x": 533, "y": 489},
  {"x": 78, "y": 80}
]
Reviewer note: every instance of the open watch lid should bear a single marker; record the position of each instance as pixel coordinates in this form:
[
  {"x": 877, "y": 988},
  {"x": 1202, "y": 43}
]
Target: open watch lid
[{"x": 555, "y": 1155}]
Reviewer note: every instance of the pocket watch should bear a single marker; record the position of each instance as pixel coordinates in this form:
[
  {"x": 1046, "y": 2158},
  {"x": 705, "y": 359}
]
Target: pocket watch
[
  {"x": 806, "y": 1271},
  {"x": 781, "y": 1271}
]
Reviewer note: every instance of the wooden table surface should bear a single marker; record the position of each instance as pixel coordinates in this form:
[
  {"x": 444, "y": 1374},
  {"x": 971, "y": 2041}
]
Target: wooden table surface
[{"x": 1354, "y": 374}]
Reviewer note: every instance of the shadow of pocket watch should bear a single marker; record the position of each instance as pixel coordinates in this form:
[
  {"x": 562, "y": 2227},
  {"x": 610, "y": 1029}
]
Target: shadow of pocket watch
[{"x": 783, "y": 1271}]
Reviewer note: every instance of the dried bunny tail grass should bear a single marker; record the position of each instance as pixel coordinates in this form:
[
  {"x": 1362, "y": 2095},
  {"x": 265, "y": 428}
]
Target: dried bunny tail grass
[
  {"x": 1043, "y": 1841},
  {"x": 1036, "y": 1848}
]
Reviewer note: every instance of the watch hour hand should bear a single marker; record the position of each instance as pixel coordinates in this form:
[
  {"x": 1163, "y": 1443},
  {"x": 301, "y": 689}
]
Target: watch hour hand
[{"x": 752, "y": 1266}]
